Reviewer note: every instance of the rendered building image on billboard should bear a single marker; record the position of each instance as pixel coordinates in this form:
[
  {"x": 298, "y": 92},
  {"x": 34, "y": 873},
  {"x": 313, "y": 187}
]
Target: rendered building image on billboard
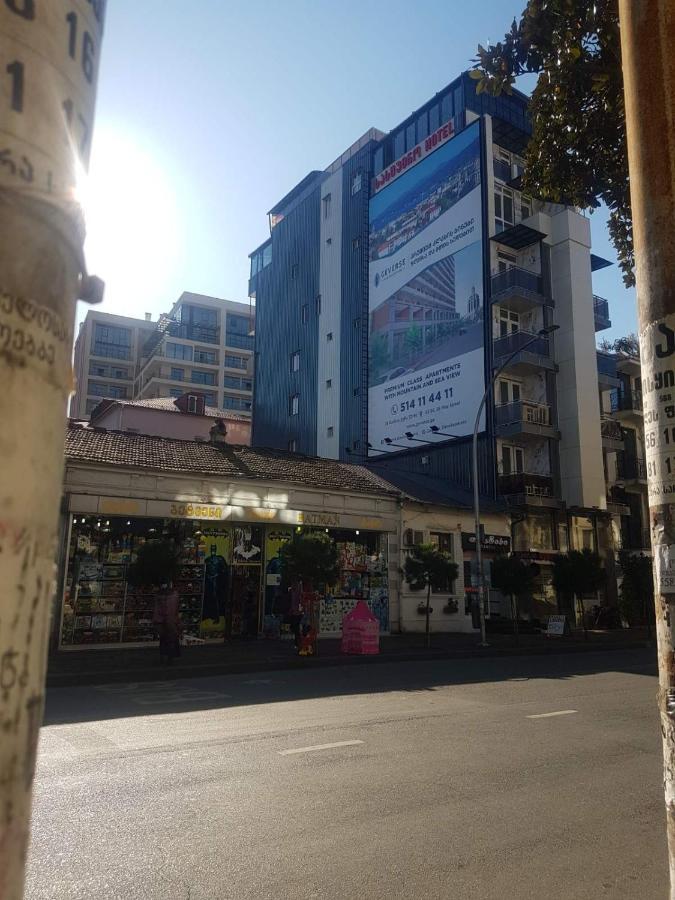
[{"x": 426, "y": 339}]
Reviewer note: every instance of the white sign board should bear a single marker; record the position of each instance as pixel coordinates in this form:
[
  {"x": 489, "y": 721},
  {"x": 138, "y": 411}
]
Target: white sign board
[{"x": 556, "y": 626}]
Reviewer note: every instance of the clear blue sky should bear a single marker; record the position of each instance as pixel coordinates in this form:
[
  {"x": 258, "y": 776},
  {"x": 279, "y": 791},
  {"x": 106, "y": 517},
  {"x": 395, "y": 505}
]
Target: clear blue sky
[{"x": 209, "y": 112}]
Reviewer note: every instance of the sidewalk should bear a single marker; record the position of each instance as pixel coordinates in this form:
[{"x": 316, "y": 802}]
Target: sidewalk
[{"x": 94, "y": 666}]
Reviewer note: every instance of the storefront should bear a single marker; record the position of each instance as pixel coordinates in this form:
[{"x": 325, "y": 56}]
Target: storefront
[
  {"x": 229, "y": 579},
  {"x": 492, "y": 546}
]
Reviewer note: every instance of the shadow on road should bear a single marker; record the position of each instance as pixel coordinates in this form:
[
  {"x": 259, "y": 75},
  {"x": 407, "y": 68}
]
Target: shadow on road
[{"x": 145, "y": 698}]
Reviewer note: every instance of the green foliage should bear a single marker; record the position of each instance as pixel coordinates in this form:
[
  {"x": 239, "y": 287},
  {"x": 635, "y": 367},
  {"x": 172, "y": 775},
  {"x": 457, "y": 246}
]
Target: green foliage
[
  {"x": 413, "y": 339},
  {"x": 156, "y": 564},
  {"x": 578, "y": 153},
  {"x": 312, "y": 558},
  {"x": 629, "y": 345},
  {"x": 636, "y": 599},
  {"x": 578, "y": 572},
  {"x": 512, "y": 576},
  {"x": 428, "y": 567}
]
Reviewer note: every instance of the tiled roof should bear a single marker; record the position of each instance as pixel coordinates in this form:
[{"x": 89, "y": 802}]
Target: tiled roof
[
  {"x": 168, "y": 404},
  {"x": 96, "y": 445}
]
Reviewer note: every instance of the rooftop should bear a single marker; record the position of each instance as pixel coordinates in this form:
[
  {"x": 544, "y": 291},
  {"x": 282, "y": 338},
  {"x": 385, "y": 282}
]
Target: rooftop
[
  {"x": 114, "y": 448},
  {"x": 166, "y": 404}
]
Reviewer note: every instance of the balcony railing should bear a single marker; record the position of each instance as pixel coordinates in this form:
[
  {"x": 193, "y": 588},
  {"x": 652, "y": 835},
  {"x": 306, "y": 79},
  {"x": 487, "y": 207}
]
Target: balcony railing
[
  {"x": 606, "y": 364},
  {"x": 523, "y": 411},
  {"x": 515, "y": 278},
  {"x": 610, "y": 429},
  {"x": 631, "y": 468},
  {"x": 528, "y": 483},
  {"x": 627, "y": 401},
  {"x": 600, "y": 308},
  {"x": 616, "y": 496},
  {"x": 239, "y": 341},
  {"x": 510, "y": 343}
]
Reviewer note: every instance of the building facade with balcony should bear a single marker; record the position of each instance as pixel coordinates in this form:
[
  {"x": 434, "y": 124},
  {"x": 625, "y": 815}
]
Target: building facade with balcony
[
  {"x": 541, "y": 447},
  {"x": 203, "y": 344}
]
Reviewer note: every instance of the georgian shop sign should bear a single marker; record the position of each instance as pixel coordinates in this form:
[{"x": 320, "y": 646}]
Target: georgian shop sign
[
  {"x": 223, "y": 512},
  {"x": 488, "y": 542}
]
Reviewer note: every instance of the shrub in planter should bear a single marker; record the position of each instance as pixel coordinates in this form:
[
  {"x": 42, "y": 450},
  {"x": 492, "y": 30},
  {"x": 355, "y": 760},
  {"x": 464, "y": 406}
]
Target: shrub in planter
[
  {"x": 451, "y": 607},
  {"x": 428, "y": 567}
]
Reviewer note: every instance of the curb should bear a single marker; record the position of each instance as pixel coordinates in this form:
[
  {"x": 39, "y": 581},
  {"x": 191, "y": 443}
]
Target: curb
[{"x": 209, "y": 669}]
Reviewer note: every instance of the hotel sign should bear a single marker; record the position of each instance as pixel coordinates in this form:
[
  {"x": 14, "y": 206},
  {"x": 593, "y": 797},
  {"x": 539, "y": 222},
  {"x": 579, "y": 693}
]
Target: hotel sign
[{"x": 418, "y": 152}]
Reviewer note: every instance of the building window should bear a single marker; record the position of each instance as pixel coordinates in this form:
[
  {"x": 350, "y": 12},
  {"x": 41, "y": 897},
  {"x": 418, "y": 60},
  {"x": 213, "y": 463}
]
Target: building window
[
  {"x": 112, "y": 341},
  {"x": 446, "y": 108},
  {"x": 356, "y": 183},
  {"x": 511, "y": 460},
  {"x": 355, "y": 392},
  {"x": 198, "y": 377},
  {"x": 434, "y": 120},
  {"x": 238, "y": 403},
  {"x": 422, "y": 127},
  {"x": 295, "y": 361},
  {"x": 356, "y": 243},
  {"x": 378, "y": 162},
  {"x": 304, "y": 313},
  {"x": 329, "y": 382},
  {"x": 399, "y": 144},
  {"x": 326, "y": 206},
  {"x": 295, "y": 270},
  {"x": 442, "y": 541},
  {"x": 176, "y": 392},
  {"x": 356, "y": 322},
  {"x": 206, "y": 356},
  {"x": 192, "y": 404},
  {"x": 329, "y": 336},
  {"x": 329, "y": 240},
  {"x": 178, "y": 351},
  {"x": 525, "y": 207},
  {"x": 294, "y": 404},
  {"x": 237, "y": 384},
  {"x": 234, "y": 362},
  {"x": 177, "y": 374},
  {"x": 503, "y": 209},
  {"x": 318, "y": 304},
  {"x": 410, "y": 137},
  {"x": 110, "y": 391},
  {"x": 329, "y": 431},
  {"x": 292, "y": 445},
  {"x": 509, "y": 322}
]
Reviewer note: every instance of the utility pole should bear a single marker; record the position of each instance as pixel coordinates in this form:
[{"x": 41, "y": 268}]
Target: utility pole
[
  {"x": 49, "y": 53},
  {"x": 647, "y": 31}
]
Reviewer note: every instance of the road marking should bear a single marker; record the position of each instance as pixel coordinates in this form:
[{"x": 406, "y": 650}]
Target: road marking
[
  {"x": 259, "y": 681},
  {"x": 560, "y": 712},
  {"x": 319, "y": 747}
]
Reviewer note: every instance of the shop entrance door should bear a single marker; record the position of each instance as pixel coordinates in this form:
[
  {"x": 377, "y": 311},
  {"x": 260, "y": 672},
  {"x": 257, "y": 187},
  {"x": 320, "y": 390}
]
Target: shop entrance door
[{"x": 243, "y": 614}]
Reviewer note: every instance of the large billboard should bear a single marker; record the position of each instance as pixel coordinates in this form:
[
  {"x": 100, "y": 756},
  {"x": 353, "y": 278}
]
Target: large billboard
[{"x": 425, "y": 301}]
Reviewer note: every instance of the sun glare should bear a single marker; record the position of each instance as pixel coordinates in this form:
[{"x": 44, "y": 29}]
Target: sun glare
[{"x": 133, "y": 224}]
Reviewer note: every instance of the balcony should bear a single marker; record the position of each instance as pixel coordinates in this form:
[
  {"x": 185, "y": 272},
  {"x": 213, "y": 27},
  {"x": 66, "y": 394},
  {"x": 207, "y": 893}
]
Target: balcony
[
  {"x": 240, "y": 341},
  {"x": 617, "y": 501},
  {"x": 537, "y": 354},
  {"x": 528, "y": 489},
  {"x": 524, "y": 418},
  {"x": 601, "y": 313},
  {"x": 612, "y": 436},
  {"x": 607, "y": 373},
  {"x": 627, "y": 404},
  {"x": 631, "y": 470},
  {"x": 518, "y": 290}
]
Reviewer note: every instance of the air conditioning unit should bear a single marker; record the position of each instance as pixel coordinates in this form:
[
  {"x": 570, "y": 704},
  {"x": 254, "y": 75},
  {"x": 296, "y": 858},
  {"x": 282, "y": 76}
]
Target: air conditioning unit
[{"x": 411, "y": 538}]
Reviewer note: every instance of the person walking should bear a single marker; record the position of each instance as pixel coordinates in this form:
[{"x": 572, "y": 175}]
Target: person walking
[{"x": 167, "y": 620}]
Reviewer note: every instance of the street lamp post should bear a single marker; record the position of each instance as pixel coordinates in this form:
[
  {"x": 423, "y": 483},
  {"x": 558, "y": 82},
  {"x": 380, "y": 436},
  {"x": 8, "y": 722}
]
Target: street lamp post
[{"x": 476, "y": 501}]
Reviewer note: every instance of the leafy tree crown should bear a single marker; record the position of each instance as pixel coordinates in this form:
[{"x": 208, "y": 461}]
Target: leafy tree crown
[
  {"x": 427, "y": 566},
  {"x": 311, "y": 557}
]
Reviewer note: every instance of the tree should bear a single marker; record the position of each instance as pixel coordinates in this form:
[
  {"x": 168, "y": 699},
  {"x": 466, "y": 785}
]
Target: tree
[
  {"x": 413, "y": 340},
  {"x": 636, "y": 598},
  {"x": 311, "y": 557},
  {"x": 628, "y": 345},
  {"x": 428, "y": 567},
  {"x": 380, "y": 358},
  {"x": 156, "y": 564},
  {"x": 578, "y": 153},
  {"x": 515, "y": 579},
  {"x": 577, "y": 573}
]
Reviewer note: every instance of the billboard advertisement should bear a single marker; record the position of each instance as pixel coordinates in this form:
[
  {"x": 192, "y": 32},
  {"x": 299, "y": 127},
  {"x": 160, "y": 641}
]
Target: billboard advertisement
[{"x": 425, "y": 300}]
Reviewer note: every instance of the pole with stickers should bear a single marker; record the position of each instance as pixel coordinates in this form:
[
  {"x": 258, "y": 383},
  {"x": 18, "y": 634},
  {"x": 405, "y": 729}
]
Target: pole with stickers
[{"x": 49, "y": 53}]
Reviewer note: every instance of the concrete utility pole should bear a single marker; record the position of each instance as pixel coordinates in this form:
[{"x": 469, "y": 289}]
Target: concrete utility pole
[
  {"x": 49, "y": 51},
  {"x": 647, "y": 34}
]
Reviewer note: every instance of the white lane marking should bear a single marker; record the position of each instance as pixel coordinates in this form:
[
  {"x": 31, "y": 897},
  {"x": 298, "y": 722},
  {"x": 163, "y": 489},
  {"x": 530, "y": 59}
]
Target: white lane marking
[
  {"x": 319, "y": 747},
  {"x": 560, "y": 712},
  {"x": 259, "y": 681}
]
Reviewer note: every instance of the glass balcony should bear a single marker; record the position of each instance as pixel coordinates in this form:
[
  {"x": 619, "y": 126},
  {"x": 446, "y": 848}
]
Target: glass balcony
[
  {"x": 528, "y": 488},
  {"x": 601, "y": 313},
  {"x": 524, "y": 417},
  {"x": 535, "y": 351},
  {"x": 518, "y": 290},
  {"x": 625, "y": 401},
  {"x": 612, "y": 436},
  {"x": 631, "y": 468}
]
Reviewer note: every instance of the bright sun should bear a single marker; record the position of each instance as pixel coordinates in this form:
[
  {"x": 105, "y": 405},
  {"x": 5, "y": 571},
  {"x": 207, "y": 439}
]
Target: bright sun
[{"x": 134, "y": 240}]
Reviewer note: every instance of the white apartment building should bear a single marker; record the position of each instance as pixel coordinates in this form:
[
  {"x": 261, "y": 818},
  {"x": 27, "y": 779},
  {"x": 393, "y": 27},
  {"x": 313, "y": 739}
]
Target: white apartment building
[{"x": 203, "y": 344}]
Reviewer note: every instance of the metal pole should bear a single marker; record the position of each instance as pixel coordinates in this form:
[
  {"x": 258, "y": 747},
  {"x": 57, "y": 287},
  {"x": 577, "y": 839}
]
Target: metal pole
[
  {"x": 647, "y": 29},
  {"x": 50, "y": 54},
  {"x": 476, "y": 499}
]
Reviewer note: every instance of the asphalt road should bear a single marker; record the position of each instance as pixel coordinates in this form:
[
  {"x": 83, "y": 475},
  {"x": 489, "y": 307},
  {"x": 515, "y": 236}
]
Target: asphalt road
[{"x": 440, "y": 784}]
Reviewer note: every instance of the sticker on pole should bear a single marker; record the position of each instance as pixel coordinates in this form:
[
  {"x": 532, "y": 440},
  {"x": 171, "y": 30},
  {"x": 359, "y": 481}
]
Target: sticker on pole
[{"x": 657, "y": 397}]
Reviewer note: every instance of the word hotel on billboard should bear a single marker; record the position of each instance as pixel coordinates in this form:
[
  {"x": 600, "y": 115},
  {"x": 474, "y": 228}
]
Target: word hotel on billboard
[{"x": 440, "y": 136}]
